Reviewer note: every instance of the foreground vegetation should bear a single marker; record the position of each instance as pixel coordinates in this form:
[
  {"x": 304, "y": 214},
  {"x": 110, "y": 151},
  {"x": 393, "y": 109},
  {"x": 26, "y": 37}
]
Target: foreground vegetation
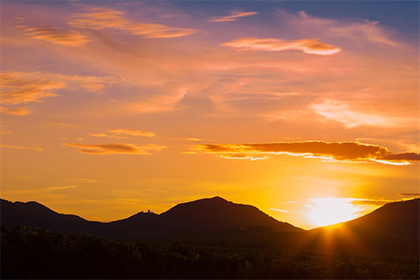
[{"x": 34, "y": 253}]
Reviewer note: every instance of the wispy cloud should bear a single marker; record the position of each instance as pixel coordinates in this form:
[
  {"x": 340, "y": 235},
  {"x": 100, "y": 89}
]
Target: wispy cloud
[
  {"x": 20, "y": 111},
  {"x": 32, "y": 87},
  {"x": 366, "y": 201},
  {"x": 101, "y": 18},
  {"x": 118, "y": 148},
  {"x": 98, "y": 134},
  {"x": 194, "y": 139},
  {"x": 18, "y": 87},
  {"x": 37, "y": 191},
  {"x": 329, "y": 151},
  {"x": 362, "y": 30},
  {"x": 409, "y": 194},
  {"x": 132, "y": 132},
  {"x": 57, "y": 36},
  {"x": 2, "y": 131},
  {"x": 234, "y": 16},
  {"x": 278, "y": 210},
  {"x": 20, "y": 147},
  {"x": 88, "y": 180},
  {"x": 309, "y": 46},
  {"x": 115, "y": 133},
  {"x": 162, "y": 103},
  {"x": 341, "y": 112}
]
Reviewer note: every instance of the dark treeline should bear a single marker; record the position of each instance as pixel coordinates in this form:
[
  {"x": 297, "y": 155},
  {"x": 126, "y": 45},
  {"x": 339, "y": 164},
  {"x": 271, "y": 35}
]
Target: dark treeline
[{"x": 34, "y": 253}]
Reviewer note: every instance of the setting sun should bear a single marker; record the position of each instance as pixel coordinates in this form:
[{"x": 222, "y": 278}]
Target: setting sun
[{"x": 328, "y": 211}]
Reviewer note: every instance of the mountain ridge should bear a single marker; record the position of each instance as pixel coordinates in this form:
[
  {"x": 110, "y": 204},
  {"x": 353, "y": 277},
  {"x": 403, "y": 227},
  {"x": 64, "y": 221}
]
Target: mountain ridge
[
  {"x": 193, "y": 216},
  {"x": 397, "y": 220}
]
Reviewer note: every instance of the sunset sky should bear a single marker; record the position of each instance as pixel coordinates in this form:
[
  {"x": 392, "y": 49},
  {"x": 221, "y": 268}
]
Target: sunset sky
[{"x": 296, "y": 107}]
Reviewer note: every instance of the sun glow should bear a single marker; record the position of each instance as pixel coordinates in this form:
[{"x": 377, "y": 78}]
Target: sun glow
[{"x": 328, "y": 211}]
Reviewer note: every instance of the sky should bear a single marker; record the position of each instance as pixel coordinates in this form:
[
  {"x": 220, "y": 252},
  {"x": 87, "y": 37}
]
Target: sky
[{"x": 300, "y": 108}]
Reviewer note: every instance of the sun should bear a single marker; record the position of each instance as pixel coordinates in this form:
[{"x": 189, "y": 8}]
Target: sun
[{"x": 328, "y": 211}]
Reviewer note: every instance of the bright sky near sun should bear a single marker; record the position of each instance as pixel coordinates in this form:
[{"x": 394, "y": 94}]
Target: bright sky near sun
[{"x": 301, "y": 108}]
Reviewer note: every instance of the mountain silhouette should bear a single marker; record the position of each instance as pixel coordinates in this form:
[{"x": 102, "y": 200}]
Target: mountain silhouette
[
  {"x": 37, "y": 215},
  {"x": 392, "y": 228},
  {"x": 396, "y": 219},
  {"x": 219, "y": 214},
  {"x": 210, "y": 214}
]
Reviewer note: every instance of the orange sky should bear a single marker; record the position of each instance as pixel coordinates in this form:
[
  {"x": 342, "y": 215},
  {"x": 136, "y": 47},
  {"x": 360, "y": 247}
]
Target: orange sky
[{"x": 108, "y": 109}]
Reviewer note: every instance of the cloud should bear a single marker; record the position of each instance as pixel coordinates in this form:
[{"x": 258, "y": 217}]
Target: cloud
[
  {"x": 341, "y": 112},
  {"x": 29, "y": 87},
  {"x": 309, "y": 46},
  {"x": 118, "y": 148},
  {"x": 290, "y": 202},
  {"x": 278, "y": 210},
  {"x": 162, "y": 103},
  {"x": 18, "y": 87},
  {"x": 329, "y": 151},
  {"x": 20, "y": 147},
  {"x": 101, "y": 18},
  {"x": 88, "y": 180},
  {"x": 193, "y": 139},
  {"x": 132, "y": 132},
  {"x": 234, "y": 16},
  {"x": 242, "y": 156},
  {"x": 117, "y": 132},
  {"x": 409, "y": 194},
  {"x": 98, "y": 134},
  {"x": 403, "y": 156},
  {"x": 380, "y": 202},
  {"x": 37, "y": 191},
  {"x": 2, "y": 131},
  {"x": 57, "y": 36},
  {"x": 362, "y": 30},
  {"x": 20, "y": 111}
]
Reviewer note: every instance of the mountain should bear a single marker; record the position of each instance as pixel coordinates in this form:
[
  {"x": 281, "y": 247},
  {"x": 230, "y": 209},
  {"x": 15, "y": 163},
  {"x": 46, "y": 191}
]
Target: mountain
[
  {"x": 391, "y": 229},
  {"x": 37, "y": 215},
  {"x": 216, "y": 213},
  {"x": 395, "y": 219},
  {"x": 211, "y": 214}
]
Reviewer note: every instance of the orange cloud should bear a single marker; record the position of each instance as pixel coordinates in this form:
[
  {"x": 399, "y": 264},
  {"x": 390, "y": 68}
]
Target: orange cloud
[
  {"x": 234, "y": 16},
  {"x": 132, "y": 132},
  {"x": 4, "y": 131},
  {"x": 98, "y": 134},
  {"x": 193, "y": 139},
  {"x": 100, "y": 18},
  {"x": 409, "y": 194},
  {"x": 37, "y": 191},
  {"x": 20, "y": 111},
  {"x": 27, "y": 87},
  {"x": 118, "y": 148},
  {"x": 336, "y": 151},
  {"x": 17, "y": 88},
  {"x": 20, "y": 147},
  {"x": 309, "y": 46},
  {"x": 57, "y": 36}
]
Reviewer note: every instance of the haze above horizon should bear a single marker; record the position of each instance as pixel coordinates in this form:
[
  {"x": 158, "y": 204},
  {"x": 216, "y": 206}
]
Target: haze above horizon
[{"x": 307, "y": 110}]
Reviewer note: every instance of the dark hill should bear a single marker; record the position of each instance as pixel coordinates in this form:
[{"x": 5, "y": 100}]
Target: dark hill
[
  {"x": 397, "y": 219},
  {"x": 390, "y": 229},
  {"x": 219, "y": 214},
  {"x": 37, "y": 215}
]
